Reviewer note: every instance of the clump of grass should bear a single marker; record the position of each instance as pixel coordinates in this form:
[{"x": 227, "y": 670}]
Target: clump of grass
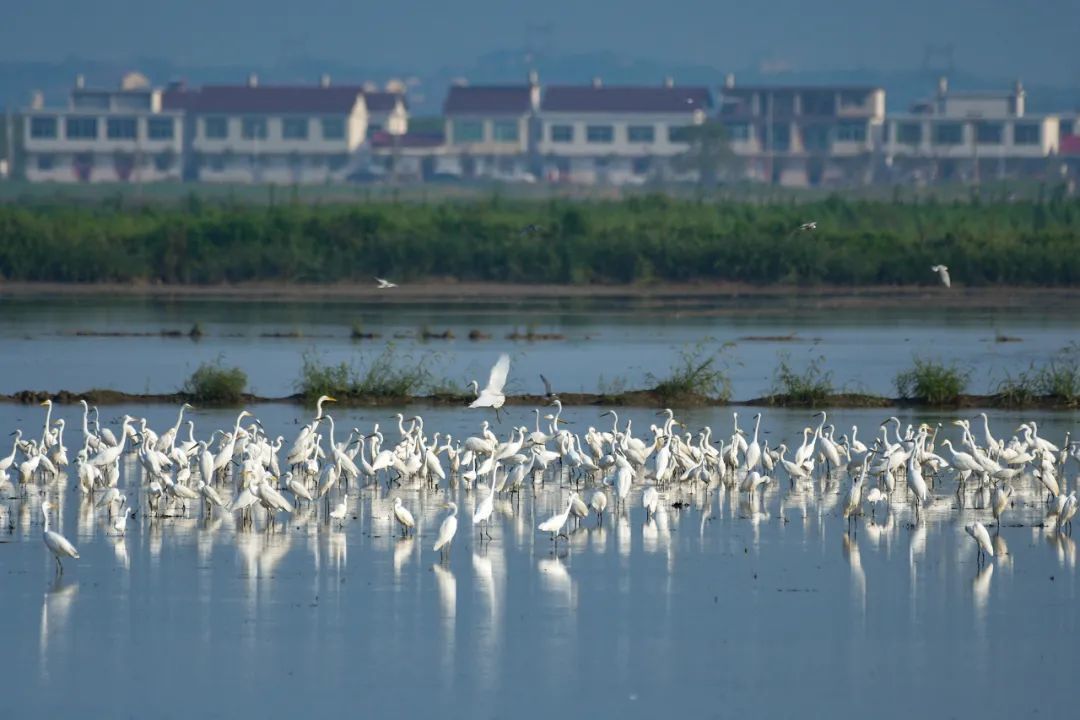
[
  {"x": 700, "y": 374},
  {"x": 932, "y": 382},
  {"x": 388, "y": 375},
  {"x": 611, "y": 386},
  {"x": 811, "y": 387},
  {"x": 1019, "y": 389},
  {"x": 1059, "y": 379},
  {"x": 214, "y": 384},
  {"x": 195, "y": 332}
]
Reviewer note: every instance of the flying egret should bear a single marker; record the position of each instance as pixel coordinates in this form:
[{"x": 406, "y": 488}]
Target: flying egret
[
  {"x": 807, "y": 226},
  {"x": 403, "y": 517},
  {"x": 492, "y": 396},
  {"x": 447, "y": 530},
  {"x": 384, "y": 284},
  {"x": 943, "y": 274},
  {"x": 58, "y": 545}
]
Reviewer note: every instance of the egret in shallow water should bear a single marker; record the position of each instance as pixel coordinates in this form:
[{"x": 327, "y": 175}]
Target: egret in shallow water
[
  {"x": 598, "y": 502},
  {"x": 342, "y": 510},
  {"x": 403, "y": 517},
  {"x": 555, "y": 523},
  {"x": 58, "y": 545},
  {"x": 447, "y": 530},
  {"x": 982, "y": 540}
]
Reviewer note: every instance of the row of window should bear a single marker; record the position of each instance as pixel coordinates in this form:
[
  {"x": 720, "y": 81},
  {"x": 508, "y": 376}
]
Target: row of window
[
  {"x": 950, "y": 133},
  {"x": 606, "y": 133},
  {"x": 470, "y": 131},
  {"x": 162, "y": 162},
  {"x": 255, "y": 128},
  {"x": 87, "y": 127}
]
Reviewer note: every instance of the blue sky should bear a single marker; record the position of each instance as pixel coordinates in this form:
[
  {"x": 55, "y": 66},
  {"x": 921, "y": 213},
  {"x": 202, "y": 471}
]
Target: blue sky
[{"x": 1001, "y": 38}]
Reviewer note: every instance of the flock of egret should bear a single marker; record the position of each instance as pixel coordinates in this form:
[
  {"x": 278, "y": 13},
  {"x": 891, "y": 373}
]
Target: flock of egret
[{"x": 241, "y": 470}]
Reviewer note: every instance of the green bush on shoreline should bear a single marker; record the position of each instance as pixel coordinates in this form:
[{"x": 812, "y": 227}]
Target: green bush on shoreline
[{"x": 642, "y": 239}]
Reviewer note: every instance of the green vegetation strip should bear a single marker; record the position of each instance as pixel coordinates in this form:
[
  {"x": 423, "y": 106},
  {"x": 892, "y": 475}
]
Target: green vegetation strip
[
  {"x": 640, "y": 239},
  {"x": 698, "y": 378}
]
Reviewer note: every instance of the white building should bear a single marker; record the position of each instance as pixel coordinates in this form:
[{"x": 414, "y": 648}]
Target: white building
[
  {"x": 123, "y": 135},
  {"x": 804, "y": 135},
  {"x": 970, "y": 135},
  {"x": 271, "y": 134},
  {"x": 489, "y": 131},
  {"x": 619, "y": 134}
]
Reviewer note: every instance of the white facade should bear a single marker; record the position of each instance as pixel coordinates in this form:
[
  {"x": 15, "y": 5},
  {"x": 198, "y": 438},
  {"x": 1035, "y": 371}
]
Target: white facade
[
  {"x": 1029, "y": 137},
  {"x": 104, "y": 136}
]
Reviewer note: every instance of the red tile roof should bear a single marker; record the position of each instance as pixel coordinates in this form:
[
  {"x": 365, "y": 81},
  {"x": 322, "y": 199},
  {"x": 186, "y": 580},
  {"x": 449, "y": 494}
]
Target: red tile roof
[
  {"x": 264, "y": 99},
  {"x": 625, "y": 99},
  {"x": 488, "y": 100},
  {"x": 1069, "y": 145}
]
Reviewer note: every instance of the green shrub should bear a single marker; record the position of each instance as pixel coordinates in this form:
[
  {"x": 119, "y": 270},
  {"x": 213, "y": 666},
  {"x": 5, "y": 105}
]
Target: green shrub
[
  {"x": 388, "y": 375},
  {"x": 932, "y": 382},
  {"x": 700, "y": 373},
  {"x": 1059, "y": 379},
  {"x": 214, "y": 384},
  {"x": 812, "y": 386}
]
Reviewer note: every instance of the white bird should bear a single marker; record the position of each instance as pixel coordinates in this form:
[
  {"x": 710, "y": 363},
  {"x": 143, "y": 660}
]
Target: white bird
[
  {"x": 482, "y": 514},
  {"x": 120, "y": 523},
  {"x": 384, "y": 284},
  {"x": 555, "y": 523},
  {"x": 598, "y": 502},
  {"x": 492, "y": 396},
  {"x": 943, "y": 275},
  {"x": 806, "y": 226},
  {"x": 403, "y": 516},
  {"x": 650, "y": 498},
  {"x": 874, "y": 497},
  {"x": 982, "y": 539},
  {"x": 58, "y": 545},
  {"x": 447, "y": 530},
  {"x": 341, "y": 510}
]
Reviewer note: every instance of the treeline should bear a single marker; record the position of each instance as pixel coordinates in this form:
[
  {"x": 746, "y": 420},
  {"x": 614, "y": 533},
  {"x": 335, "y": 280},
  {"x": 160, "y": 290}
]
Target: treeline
[{"x": 633, "y": 240}]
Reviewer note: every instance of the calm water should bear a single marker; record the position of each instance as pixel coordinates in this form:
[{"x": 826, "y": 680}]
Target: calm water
[
  {"x": 717, "y": 609},
  {"x": 606, "y": 343}
]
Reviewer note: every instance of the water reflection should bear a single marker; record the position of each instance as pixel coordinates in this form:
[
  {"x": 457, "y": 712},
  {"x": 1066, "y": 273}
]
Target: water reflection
[{"x": 55, "y": 611}]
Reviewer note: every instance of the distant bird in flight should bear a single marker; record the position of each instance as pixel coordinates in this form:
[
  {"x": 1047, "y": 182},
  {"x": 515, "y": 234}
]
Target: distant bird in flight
[
  {"x": 385, "y": 284},
  {"x": 943, "y": 273},
  {"x": 548, "y": 393},
  {"x": 807, "y": 226}
]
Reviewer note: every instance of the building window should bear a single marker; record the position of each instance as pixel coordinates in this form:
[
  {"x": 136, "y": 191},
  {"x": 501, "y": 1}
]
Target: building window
[
  {"x": 373, "y": 129},
  {"x": 159, "y": 128},
  {"x": 909, "y": 133},
  {"x": 562, "y": 133},
  {"x": 333, "y": 128},
  {"x": 505, "y": 131},
  {"x": 988, "y": 133},
  {"x": 43, "y": 126},
  {"x": 254, "y": 128},
  {"x": 81, "y": 128},
  {"x": 948, "y": 134},
  {"x": 164, "y": 161},
  {"x": 816, "y": 137},
  {"x": 679, "y": 134},
  {"x": 641, "y": 133},
  {"x": 120, "y": 128},
  {"x": 294, "y": 128},
  {"x": 216, "y": 128},
  {"x": 781, "y": 137},
  {"x": 468, "y": 131},
  {"x": 45, "y": 162},
  {"x": 738, "y": 130},
  {"x": 851, "y": 131},
  {"x": 641, "y": 165},
  {"x": 216, "y": 163},
  {"x": 852, "y": 98},
  {"x": 1026, "y": 134},
  {"x": 599, "y": 133}
]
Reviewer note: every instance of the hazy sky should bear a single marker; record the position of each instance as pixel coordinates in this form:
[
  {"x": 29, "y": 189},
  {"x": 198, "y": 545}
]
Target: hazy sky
[{"x": 1003, "y": 38}]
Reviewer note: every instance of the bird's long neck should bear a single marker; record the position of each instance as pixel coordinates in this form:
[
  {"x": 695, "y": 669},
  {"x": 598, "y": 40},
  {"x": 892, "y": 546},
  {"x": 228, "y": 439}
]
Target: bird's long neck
[
  {"x": 48, "y": 419},
  {"x": 46, "y": 514}
]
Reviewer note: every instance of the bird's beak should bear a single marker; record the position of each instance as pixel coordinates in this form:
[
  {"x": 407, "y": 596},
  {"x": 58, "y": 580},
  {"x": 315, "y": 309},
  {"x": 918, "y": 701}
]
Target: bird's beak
[
  {"x": 330, "y": 399},
  {"x": 43, "y": 404}
]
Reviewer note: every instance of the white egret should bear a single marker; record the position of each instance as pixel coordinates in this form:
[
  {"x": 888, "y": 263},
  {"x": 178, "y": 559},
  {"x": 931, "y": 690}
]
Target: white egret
[
  {"x": 384, "y": 284},
  {"x": 447, "y": 530},
  {"x": 555, "y": 523},
  {"x": 943, "y": 274},
  {"x": 982, "y": 539},
  {"x": 58, "y": 545},
  {"x": 482, "y": 514},
  {"x": 492, "y": 395},
  {"x": 340, "y": 511},
  {"x": 403, "y": 517}
]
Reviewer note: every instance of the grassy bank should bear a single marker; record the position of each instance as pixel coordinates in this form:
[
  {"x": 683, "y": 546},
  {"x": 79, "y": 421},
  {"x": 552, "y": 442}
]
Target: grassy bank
[{"x": 642, "y": 239}]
